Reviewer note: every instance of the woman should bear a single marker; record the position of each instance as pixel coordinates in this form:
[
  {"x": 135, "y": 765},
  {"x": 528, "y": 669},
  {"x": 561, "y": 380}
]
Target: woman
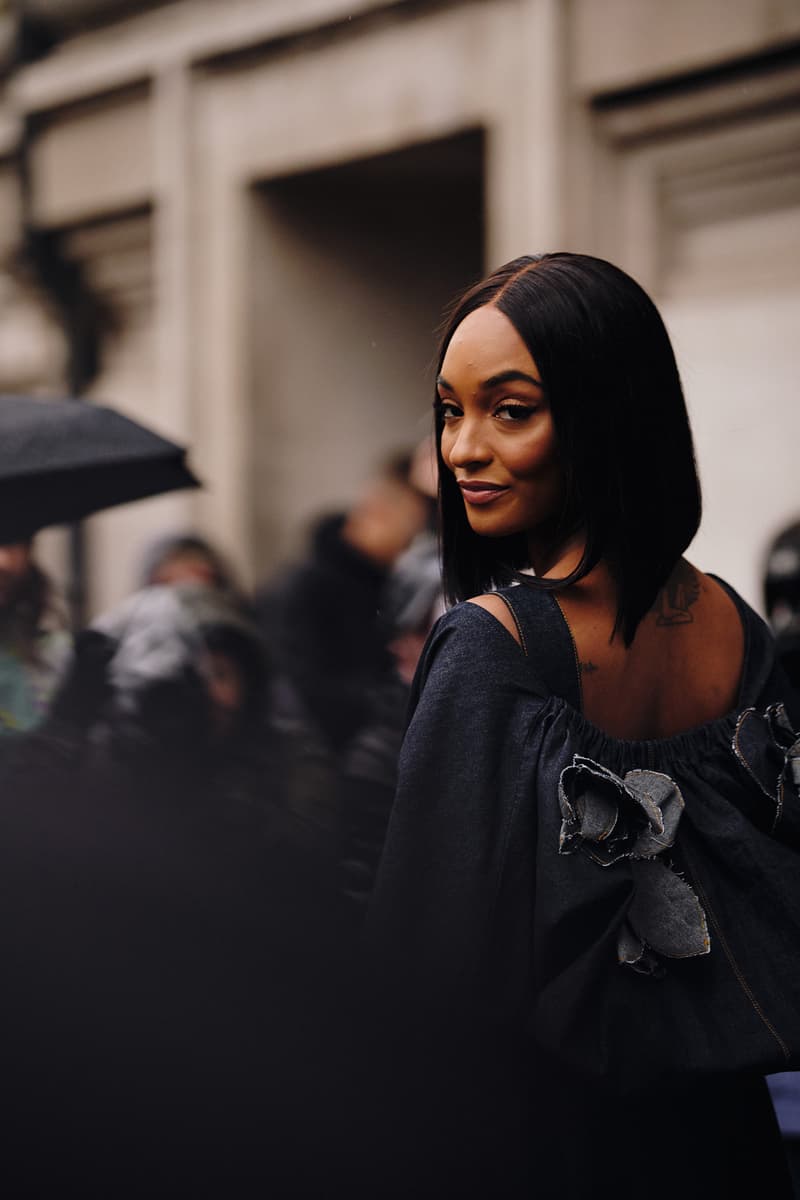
[
  {"x": 34, "y": 649},
  {"x": 569, "y": 762},
  {"x": 187, "y": 557}
]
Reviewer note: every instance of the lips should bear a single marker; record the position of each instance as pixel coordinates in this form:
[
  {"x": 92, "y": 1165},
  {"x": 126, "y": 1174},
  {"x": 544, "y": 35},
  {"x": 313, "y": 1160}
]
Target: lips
[{"x": 480, "y": 491}]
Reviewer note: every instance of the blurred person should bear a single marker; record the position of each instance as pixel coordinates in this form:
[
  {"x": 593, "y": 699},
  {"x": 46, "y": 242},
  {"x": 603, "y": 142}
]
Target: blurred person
[
  {"x": 175, "y": 987},
  {"x": 186, "y": 557},
  {"x": 322, "y": 622},
  {"x": 782, "y": 598},
  {"x": 188, "y": 675},
  {"x": 34, "y": 645},
  {"x": 411, "y": 602},
  {"x": 414, "y": 597}
]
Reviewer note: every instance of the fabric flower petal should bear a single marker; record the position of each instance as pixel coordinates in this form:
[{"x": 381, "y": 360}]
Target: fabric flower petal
[
  {"x": 630, "y": 946},
  {"x": 597, "y": 814},
  {"x": 768, "y": 748},
  {"x": 661, "y": 793},
  {"x": 758, "y": 751},
  {"x": 780, "y": 725},
  {"x": 610, "y": 820},
  {"x": 665, "y": 912},
  {"x": 589, "y": 799},
  {"x": 633, "y": 952}
]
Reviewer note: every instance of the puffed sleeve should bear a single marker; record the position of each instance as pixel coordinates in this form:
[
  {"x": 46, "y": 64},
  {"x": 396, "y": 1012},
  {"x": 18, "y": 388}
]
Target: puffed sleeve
[{"x": 474, "y": 703}]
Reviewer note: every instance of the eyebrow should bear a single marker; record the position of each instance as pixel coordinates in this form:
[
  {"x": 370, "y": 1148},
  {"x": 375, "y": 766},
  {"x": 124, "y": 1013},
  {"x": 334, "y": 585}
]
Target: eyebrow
[{"x": 495, "y": 380}]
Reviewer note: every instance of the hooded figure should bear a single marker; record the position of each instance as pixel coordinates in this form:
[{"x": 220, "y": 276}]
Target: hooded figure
[
  {"x": 172, "y": 951},
  {"x": 188, "y": 673}
]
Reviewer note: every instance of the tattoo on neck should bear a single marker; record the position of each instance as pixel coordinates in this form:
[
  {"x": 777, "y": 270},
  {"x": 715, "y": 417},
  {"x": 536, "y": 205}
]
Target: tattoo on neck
[
  {"x": 587, "y": 668},
  {"x": 674, "y": 601}
]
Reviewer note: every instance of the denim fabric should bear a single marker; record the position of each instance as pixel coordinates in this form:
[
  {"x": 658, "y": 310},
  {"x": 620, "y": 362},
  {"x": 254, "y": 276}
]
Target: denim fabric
[{"x": 480, "y": 913}]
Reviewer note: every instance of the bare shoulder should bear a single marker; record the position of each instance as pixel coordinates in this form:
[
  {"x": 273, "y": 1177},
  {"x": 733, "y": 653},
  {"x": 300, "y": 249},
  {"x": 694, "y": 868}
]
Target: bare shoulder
[
  {"x": 724, "y": 611},
  {"x": 494, "y": 604},
  {"x": 688, "y": 594}
]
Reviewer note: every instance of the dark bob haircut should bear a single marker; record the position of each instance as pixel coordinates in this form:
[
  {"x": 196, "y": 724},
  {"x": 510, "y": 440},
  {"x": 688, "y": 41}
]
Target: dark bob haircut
[{"x": 609, "y": 372}]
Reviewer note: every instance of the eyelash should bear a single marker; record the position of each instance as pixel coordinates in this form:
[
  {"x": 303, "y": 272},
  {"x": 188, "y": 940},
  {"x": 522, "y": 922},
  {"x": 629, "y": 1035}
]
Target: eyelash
[
  {"x": 442, "y": 407},
  {"x": 518, "y": 413}
]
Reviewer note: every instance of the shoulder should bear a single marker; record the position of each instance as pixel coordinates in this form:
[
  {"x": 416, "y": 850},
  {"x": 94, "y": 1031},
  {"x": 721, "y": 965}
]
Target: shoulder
[
  {"x": 470, "y": 643},
  {"x": 763, "y": 680},
  {"x": 495, "y": 604},
  {"x": 758, "y": 634},
  {"x": 472, "y": 681},
  {"x": 484, "y": 624}
]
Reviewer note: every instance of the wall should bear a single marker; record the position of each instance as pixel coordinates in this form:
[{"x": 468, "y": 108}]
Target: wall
[
  {"x": 662, "y": 136},
  {"x": 352, "y": 267}
]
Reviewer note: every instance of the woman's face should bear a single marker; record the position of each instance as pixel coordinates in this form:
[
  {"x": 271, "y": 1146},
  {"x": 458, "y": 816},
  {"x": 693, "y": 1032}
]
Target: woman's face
[
  {"x": 15, "y": 563},
  {"x": 498, "y": 437},
  {"x": 185, "y": 566}
]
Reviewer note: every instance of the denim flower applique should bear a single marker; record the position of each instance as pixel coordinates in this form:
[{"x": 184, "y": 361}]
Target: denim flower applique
[
  {"x": 769, "y": 750},
  {"x": 635, "y": 819}
]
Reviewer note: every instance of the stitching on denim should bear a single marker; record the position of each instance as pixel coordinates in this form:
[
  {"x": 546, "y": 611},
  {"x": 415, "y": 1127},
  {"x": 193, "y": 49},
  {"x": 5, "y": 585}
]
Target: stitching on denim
[
  {"x": 778, "y": 807},
  {"x": 745, "y": 986},
  {"x": 576, "y": 660},
  {"x": 516, "y": 620}
]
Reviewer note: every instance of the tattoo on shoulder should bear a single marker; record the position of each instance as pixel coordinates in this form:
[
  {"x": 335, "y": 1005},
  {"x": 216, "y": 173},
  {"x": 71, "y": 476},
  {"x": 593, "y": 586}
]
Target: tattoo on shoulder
[
  {"x": 587, "y": 668},
  {"x": 674, "y": 601}
]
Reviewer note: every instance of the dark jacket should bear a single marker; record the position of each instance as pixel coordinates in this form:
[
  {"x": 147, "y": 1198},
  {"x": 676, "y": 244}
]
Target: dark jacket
[
  {"x": 519, "y": 1006},
  {"x": 321, "y": 621}
]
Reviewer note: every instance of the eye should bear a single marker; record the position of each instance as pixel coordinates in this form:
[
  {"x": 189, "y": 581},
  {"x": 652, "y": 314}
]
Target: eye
[
  {"x": 514, "y": 413},
  {"x": 447, "y": 410}
]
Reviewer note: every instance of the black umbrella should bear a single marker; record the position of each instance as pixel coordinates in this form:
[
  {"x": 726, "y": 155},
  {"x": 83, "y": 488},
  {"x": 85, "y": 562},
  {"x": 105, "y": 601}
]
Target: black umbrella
[{"x": 61, "y": 460}]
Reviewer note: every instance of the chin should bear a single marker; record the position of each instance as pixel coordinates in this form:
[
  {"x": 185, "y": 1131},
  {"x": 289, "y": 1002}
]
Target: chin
[{"x": 493, "y": 529}]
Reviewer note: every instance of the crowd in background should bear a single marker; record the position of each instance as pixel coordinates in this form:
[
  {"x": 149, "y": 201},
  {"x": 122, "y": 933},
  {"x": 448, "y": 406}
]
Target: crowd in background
[
  {"x": 302, "y": 684},
  {"x": 201, "y": 784},
  {"x": 234, "y": 758}
]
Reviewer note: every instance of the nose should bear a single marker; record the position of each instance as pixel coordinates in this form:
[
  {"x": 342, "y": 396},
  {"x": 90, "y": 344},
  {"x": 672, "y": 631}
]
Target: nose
[{"x": 466, "y": 447}]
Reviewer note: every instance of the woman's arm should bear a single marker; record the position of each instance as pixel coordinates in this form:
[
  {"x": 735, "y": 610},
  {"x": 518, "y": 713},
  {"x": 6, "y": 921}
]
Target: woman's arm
[{"x": 475, "y": 702}]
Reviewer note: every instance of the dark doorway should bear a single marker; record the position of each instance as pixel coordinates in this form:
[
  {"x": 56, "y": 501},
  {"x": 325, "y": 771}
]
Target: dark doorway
[{"x": 353, "y": 266}]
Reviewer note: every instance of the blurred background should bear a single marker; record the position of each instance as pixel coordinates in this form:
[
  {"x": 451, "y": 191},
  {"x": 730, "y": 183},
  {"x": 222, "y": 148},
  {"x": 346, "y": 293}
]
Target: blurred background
[{"x": 240, "y": 221}]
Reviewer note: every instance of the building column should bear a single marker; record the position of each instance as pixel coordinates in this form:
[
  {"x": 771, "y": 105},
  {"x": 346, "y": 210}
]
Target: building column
[{"x": 525, "y": 170}]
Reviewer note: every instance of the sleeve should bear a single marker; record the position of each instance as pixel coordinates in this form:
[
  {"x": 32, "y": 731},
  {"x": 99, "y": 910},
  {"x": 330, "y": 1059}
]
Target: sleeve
[{"x": 473, "y": 705}]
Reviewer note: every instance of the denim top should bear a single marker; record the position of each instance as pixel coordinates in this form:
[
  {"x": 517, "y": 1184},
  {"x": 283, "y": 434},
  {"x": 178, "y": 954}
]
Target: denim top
[{"x": 476, "y": 895}]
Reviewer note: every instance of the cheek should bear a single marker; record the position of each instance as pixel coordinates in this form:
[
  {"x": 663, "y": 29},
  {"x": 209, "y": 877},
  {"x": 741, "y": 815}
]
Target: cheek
[
  {"x": 535, "y": 458},
  {"x": 445, "y": 443}
]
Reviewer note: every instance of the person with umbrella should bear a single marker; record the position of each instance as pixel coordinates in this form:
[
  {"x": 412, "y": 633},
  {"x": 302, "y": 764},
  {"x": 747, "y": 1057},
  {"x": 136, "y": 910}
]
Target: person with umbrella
[
  {"x": 59, "y": 462},
  {"x": 170, "y": 1004}
]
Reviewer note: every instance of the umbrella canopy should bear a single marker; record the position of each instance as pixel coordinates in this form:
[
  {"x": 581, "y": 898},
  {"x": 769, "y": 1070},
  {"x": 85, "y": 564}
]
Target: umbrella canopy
[{"x": 61, "y": 460}]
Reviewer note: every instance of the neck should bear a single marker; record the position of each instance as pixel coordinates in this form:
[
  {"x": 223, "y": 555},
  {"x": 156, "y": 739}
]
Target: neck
[{"x": 556, "y": 560}]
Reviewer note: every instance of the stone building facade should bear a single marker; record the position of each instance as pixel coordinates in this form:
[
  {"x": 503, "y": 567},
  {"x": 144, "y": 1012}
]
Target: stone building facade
[{"x": 274, "y": 199}]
